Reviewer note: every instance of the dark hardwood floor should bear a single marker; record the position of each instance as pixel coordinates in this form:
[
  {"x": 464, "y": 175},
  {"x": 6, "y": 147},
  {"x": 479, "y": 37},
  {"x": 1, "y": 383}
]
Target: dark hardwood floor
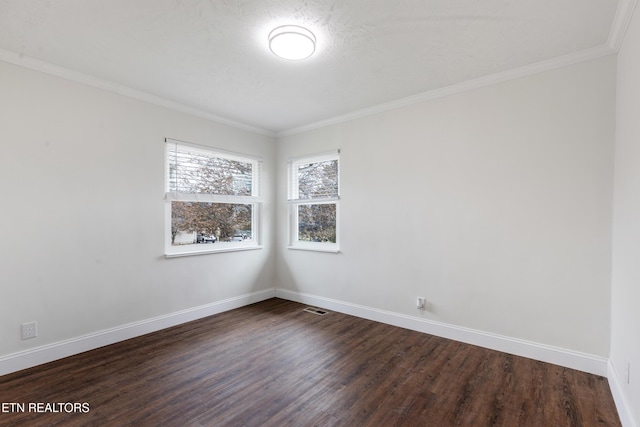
[{"x": 273, "y": 364}]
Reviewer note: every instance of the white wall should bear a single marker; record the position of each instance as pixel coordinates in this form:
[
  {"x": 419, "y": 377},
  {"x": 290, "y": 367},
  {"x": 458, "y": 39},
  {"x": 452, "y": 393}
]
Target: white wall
[
  {"x": 81, "y": 247},
  {"x": 625, "y": 307},
  {"x": 494, "y": 204}
]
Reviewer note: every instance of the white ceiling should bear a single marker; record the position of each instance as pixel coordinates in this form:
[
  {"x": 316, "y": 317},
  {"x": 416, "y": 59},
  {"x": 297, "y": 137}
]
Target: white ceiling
[{"x": 211, "y": 56}]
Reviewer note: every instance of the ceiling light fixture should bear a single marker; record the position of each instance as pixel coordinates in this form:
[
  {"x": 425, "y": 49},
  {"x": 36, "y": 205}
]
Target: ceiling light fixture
[{"x": 292, "y": 42}]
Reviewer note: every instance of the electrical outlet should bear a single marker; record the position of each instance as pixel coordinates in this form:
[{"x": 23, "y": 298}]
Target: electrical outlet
[
  {"x": 29, "y": 330},
  {"x": 420, "y": 301}
]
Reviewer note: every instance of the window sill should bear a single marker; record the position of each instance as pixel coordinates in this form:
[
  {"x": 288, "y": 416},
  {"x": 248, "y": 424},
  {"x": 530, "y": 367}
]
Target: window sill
[
  {"x": 212, "y": 251},
  {"x": 316, "y": 249}
]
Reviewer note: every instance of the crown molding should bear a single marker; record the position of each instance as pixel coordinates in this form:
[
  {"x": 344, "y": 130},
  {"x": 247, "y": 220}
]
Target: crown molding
[
  {"x": 621, "y": 21},
  {"x": 622, "y": 18},
  {"x": 527, "y": 70},
  {"x": 78, "y": 77}
]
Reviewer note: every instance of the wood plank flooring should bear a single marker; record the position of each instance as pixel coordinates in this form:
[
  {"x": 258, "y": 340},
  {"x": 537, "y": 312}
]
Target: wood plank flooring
[{"x": 273, "y": 364}]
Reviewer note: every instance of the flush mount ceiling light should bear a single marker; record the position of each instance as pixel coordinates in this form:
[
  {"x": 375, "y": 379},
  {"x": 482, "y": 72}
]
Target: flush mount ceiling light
[{"x": 292, "y": 42}]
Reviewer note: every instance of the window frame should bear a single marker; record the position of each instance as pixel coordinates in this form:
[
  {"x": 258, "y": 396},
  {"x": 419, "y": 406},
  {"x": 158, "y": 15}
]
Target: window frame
[
  {"x": 295, "y": 202},
  {"x": 255, "y": 200}
]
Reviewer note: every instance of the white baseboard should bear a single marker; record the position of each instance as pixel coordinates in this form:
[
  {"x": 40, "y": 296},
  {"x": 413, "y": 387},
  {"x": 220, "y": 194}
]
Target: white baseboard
[
  {"x": 559, "y": 356},
  {"x": 624, "y": 409},
  {"x": 545, "y": 353},
  {"x": 48, "y": 353}
]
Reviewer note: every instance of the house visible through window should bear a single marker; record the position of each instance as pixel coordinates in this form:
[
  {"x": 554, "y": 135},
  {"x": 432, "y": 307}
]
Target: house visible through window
[
  {"x": 212, "y": 200},
  {"x": 314, "y": 195}
]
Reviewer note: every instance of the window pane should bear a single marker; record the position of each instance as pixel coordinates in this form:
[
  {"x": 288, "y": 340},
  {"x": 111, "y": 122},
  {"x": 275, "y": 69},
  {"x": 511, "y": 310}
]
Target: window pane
[
  {"x": 202, "y": 223},
  {"x": 318, "y": 180},
  {"x": 195, "y": 172},
  {"x": 317, "y": 223}
]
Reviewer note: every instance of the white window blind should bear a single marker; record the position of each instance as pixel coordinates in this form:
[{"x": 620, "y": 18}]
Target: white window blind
[
  {"x": 200, "y": 174},
  {"x": 315, "y": 178}
]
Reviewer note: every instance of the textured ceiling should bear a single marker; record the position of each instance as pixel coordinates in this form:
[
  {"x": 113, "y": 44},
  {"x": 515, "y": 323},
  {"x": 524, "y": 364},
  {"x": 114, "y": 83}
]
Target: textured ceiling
[{"x": 212, "y": 55}]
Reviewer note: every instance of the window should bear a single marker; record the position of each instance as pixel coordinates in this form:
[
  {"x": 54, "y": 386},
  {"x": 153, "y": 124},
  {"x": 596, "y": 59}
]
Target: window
[
  {"x": 212, "y": 200},
  {"x": 314, "y": 194}
]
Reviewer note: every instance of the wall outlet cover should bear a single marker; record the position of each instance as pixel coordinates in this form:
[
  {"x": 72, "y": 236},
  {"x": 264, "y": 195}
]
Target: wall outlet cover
[{"x": 29, "y": 330}]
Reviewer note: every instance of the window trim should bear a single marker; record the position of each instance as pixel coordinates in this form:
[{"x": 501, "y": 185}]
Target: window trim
[
  {"x": 255, "y": 200},
  {"x": 294, "y": 202}
]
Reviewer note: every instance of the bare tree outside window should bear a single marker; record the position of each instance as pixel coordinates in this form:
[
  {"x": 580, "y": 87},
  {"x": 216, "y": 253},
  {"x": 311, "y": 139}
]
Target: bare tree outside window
[
  {"x": 224, "y": 221},
  {"x": 317, "y": 223},
  {"x": 318, "y": 180}
]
